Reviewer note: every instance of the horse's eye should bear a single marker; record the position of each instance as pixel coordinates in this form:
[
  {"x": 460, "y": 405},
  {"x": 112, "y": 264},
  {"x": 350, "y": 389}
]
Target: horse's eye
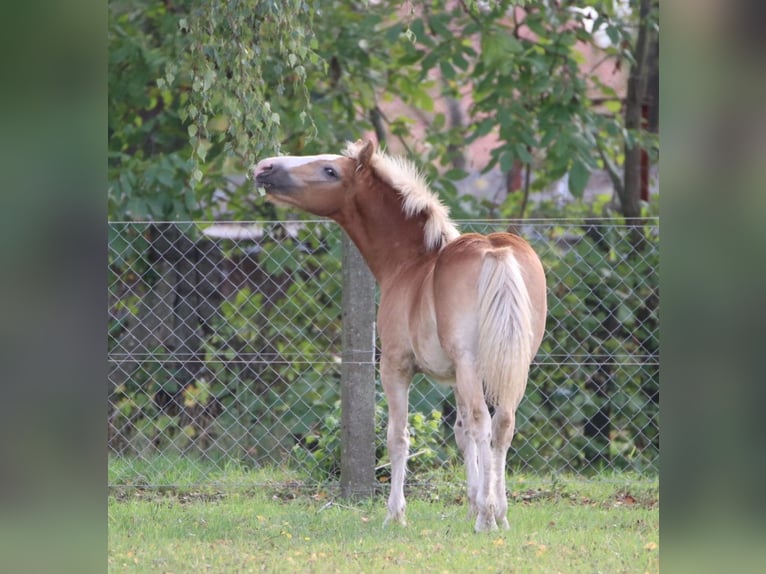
[{"x": 331, "y": 172}]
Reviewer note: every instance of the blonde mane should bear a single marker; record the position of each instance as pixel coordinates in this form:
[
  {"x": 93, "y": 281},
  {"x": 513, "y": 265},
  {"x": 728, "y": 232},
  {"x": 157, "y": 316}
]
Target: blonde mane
[{"x": 404, "y": 177}]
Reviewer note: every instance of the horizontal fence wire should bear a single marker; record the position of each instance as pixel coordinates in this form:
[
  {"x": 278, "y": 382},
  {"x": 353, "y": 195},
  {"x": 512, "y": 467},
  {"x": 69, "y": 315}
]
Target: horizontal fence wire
[{"x": 224, "y": 351}]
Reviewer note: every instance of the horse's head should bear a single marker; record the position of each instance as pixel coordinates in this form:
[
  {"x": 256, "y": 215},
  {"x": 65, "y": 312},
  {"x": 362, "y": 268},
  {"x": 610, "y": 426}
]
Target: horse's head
[{"x": 318, "y": 184}]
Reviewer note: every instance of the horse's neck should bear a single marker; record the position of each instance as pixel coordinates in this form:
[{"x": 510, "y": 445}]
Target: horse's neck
[{"x": 384, "y": 236}]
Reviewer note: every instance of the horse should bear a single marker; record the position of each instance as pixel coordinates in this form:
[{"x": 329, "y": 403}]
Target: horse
[{"x": 467, "y": 310}]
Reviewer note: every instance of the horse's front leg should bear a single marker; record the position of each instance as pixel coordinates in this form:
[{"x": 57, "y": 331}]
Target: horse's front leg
[{"x": 395, "y": 377}]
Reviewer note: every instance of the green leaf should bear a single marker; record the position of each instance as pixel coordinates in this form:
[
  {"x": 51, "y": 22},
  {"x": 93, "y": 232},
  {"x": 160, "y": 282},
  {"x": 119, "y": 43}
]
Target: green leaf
[
  {"x": 448, "y": 72},
  {"x": 497, "y": 48},
  {"x": 522, "y": 153},
  {"x": 456, "y": 174},
  {"x": 429, "y": 62},
  {"x": 578, "y": 177},
  {"x": 506, "y": 162},
  {"x": 613, "y": 106},
  {"x": 409, "y": 58},
  {"x": 460, "y": 62}
]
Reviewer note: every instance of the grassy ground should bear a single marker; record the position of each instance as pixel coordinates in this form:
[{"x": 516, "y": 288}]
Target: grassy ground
[{"x": 277, "y": 524}]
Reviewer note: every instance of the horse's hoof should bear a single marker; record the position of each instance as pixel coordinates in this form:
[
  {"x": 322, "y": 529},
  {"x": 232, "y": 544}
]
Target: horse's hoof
[
  {"x": 485, "y": 523},
  {"x": 399, "y": 519}
]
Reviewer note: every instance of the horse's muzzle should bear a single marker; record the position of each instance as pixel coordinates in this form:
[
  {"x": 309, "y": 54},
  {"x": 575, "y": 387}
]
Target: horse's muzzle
[{"x": 271, "y": 176}]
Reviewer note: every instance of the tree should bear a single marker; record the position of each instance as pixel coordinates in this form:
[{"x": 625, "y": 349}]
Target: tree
[
  {"x": 190, "y": 91},
  {"x": 198, "y": 90},
  {"x": 629, "y": 191}
]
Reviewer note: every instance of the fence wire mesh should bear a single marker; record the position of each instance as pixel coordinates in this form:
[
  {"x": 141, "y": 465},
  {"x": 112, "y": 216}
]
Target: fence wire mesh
[{"x": 225, "y": 347}]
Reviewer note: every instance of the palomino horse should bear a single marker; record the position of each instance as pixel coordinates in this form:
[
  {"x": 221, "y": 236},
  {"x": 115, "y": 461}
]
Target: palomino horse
[{"x": 468, "y": 310}]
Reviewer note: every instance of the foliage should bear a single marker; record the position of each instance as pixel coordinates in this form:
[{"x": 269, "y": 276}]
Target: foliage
[
  {"x": 189, "y": 90},
  {"x": 198, "y": 90},
  {"x": 149, "y": 159},
  {"x": 618, "y": 330},
  {"x": 594, "y": 400},
  {"x": 244, "y": 60},
  {"x": 264, "y": 372},
  {"x": 522, "y": 70}
]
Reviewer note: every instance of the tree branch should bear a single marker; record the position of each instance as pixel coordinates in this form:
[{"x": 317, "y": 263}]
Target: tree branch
[{"x": 611, "y": 169}]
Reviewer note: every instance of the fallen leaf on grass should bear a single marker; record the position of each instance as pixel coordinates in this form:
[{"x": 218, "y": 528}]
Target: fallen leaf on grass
[
  {"x": 540, "y": 549},
  {"x": 625, "y": 499},
  {"x": 650, "y": 546}
]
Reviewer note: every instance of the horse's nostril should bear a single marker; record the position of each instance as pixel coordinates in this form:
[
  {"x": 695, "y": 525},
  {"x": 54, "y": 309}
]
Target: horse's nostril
[{"x": 262, "y": 169}]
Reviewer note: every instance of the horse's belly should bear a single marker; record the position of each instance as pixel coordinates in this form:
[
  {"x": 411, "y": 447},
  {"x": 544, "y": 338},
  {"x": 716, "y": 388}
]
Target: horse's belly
[{"x": 433, "y": 361}]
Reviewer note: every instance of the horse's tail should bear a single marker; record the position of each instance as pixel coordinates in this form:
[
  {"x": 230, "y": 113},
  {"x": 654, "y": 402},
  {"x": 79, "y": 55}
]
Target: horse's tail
[{"x": 505, "y": 330}]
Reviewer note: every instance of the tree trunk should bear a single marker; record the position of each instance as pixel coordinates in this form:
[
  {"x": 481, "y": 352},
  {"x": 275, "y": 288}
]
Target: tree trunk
[{"x": 630, "y": 192}]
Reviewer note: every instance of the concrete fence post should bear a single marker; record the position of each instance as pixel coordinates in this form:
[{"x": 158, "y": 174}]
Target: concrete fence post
[{"x": 357, "y": 475}]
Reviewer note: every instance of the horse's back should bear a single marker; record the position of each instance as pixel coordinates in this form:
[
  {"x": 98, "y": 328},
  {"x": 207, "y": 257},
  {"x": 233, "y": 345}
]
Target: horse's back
[{"x": 468, "y": 247}]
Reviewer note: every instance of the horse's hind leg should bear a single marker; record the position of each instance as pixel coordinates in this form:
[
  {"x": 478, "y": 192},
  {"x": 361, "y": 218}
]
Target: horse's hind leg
[
  {"x": 396, "y": 382},
  {"x": 467, "y": 447},
  {"x": 475, "y": 416},
  {"x": 503, "y": 423}
]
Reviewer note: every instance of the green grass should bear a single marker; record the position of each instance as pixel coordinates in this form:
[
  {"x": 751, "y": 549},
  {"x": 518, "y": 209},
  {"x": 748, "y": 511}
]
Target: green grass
[{"x": 266, "y": 522}]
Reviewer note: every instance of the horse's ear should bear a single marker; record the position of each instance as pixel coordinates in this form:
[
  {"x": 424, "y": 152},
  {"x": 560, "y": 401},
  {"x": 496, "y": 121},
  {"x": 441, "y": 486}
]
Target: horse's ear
[{"x": 365, "y": 153}]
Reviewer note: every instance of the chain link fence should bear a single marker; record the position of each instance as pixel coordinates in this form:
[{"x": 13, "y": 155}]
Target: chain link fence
[{"x": 225, "y": 347}]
